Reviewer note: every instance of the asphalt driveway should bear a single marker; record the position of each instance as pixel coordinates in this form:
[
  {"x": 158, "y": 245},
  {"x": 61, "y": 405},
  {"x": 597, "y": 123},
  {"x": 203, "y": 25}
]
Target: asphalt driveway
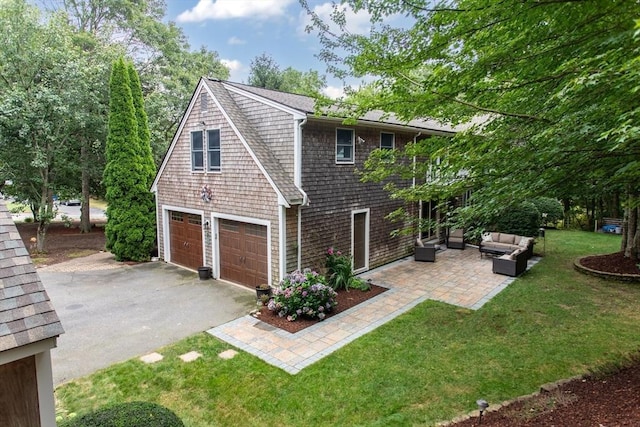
[{"x": 112, "y": 312}]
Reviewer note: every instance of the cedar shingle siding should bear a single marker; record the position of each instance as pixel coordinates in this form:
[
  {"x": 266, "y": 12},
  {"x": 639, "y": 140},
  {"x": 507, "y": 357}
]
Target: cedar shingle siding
[
  {"x": 258, "y": 129},
  {"x": 334, "y": 191}
]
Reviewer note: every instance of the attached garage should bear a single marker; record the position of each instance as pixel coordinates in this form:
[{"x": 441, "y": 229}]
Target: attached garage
[
  {"x": 243, "y": 252},
  {"x": 185, "y": 231}
]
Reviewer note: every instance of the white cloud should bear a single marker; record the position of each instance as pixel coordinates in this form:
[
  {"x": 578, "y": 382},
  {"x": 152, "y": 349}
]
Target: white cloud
[
  {"x": 333, "y": 92},
  {"x": 233, "y": 41},
  {"x": 356, "y": 23},
  {"x": 228, "y": 9},
  {"x": 237, "y": 71}
]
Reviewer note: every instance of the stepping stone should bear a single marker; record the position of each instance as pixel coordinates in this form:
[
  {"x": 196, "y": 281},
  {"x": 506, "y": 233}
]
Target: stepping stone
[
  {"x": 190, "y": 357},
  {"x": 151, "y": 358},
  {"x": 227, "y": 354}
]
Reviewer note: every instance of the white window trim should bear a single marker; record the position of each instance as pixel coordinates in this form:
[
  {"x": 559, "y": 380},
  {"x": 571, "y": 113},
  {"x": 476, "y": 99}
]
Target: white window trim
[
  {"x": 206, "y": 145},
  {"x": 191, "y": 151},
  {"x": 353, "y": 148},
  {"x": 393, "y": 140}
]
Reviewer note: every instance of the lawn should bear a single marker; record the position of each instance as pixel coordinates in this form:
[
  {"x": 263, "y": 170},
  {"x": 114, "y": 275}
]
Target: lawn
[{"x": 428, "y": 365}]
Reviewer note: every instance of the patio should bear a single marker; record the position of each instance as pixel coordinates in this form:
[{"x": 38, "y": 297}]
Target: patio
[{"x": 458, "y": 277}]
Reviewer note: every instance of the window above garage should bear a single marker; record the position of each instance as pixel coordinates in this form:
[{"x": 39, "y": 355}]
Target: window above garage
[{"x": 212, "y": 149}]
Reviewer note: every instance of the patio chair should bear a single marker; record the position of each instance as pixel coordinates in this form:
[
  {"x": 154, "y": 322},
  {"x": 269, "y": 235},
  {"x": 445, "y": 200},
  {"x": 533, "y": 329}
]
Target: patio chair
[
  {"x": 424, "y": 252},
  {"x": 455, "y": 238}
]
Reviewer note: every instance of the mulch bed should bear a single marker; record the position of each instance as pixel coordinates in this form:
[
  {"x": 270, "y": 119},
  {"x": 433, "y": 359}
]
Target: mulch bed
[
  {"x": 346, "y": 300},
  {"x": 599, "y": 400},
  {"x": 611, "y": 263}
]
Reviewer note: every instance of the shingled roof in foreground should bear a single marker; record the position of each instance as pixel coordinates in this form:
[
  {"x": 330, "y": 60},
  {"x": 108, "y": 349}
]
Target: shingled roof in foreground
[{"x": 26, "y": 313}]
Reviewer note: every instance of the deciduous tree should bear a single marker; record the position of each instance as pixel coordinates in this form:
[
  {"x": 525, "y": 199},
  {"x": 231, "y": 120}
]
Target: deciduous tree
[{"x": 546, "y": 92}]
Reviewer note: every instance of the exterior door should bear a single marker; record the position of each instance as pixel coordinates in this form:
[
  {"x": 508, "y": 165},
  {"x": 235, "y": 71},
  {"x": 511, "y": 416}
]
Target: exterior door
[
  {"x": 360, "y": 240},
  {"x": 243, "y": 252},
  {"x": 185, "y": 231}
]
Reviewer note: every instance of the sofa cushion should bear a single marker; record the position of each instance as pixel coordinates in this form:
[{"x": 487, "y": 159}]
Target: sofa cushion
[
  {"x": 459, "y": 233},
  {"x": 495, "y": 237},
  {"x": 507, "y": 238},
  {"x": 524, "y": 242},
  {"x": 505, "y": 256},
  {"x": 515, "y": 253}
]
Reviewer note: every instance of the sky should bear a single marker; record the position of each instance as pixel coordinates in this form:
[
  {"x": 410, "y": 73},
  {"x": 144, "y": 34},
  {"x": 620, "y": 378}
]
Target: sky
[{"x": 241, "y": 30}]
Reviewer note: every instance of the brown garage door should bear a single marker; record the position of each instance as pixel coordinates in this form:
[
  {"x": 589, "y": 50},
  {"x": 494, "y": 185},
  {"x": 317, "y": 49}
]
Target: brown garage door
[
  {"x": 243, "y": 253},
  {"x": 186, "y": 239}
]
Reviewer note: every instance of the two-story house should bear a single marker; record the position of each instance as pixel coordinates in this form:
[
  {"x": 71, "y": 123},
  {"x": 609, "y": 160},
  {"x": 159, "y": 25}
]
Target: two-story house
[{"x": 255, "y": 185}]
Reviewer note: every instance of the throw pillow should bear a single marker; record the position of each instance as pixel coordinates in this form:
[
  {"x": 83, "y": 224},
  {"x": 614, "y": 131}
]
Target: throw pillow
[{"x": 486, "y": 237}]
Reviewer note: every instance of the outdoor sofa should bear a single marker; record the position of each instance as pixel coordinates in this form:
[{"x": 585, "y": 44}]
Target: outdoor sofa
[{"x": 503, "y": 243}]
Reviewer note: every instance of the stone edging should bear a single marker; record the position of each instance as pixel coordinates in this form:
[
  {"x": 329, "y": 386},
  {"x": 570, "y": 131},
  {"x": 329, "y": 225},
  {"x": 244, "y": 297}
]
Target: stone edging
[{"x": 604, "y": 275}]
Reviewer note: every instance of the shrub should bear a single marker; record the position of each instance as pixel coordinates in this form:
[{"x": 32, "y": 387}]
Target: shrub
[
  {"x": 303, "y": 294},
  {"x": 551, "y": 207},
  {"x": 340, "y": 272},
  {"x": 523, "y": 220},
  {"x": 131, "y": 414}
]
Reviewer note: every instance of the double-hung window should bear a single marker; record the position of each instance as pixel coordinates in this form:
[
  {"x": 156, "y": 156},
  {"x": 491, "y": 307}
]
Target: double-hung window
[
  {"x": 197, "y": 151},
  {"x": 213, "y": 150},
  {"x": 387, "y": 141},
  {"x": 344, "y": 146}
]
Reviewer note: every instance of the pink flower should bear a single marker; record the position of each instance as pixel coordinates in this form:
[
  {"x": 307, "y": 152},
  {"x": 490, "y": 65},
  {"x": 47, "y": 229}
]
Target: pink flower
[{"x": 330, "y": 251}]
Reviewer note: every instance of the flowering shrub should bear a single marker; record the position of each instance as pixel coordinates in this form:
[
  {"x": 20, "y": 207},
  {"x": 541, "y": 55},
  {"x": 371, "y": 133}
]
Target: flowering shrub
[
  {"x": 303, "y": 293},
  {"x": 340, "y": 272}
]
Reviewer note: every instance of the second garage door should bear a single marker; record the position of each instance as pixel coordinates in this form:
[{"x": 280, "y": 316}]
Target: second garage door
[{"x": 243, "y": 252}]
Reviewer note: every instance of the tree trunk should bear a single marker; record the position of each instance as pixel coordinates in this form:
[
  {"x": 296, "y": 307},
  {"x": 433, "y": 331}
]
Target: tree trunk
[
  {"x": 631, "y": 240},
  {"x": 567, "y": 212},
  {"x": 85, "y": 219}
]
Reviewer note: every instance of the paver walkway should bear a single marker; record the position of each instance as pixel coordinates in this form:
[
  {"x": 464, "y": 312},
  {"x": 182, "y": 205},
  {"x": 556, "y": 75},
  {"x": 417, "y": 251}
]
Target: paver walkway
[{"x": 458, "y": 277}]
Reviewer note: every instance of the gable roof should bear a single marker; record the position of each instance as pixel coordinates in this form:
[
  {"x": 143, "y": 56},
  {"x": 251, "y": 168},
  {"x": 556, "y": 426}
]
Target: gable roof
[
  {"x": 26, "y": 313},
  {"x": 306, "y": 105},
  {"x": 265, "y": 158}
]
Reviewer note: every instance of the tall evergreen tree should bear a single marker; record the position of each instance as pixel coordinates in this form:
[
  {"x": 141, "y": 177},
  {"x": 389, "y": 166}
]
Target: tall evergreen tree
[{"x": 130, "y": 230}]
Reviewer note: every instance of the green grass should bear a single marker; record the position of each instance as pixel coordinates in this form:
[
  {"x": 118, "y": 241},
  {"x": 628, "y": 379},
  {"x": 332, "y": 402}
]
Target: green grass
[{"x": 428, "y": 365}]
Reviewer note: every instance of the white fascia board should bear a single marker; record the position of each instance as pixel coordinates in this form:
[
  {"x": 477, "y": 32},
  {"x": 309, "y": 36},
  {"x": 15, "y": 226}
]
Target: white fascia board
[
  {"x": 281, "y": 199},
  {"x": 185, "y": 116}
]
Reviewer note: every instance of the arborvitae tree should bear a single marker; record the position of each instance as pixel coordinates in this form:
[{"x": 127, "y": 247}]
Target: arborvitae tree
[
  {"x": 147, "y": 202},
  {"x": 130, "y": 229}
]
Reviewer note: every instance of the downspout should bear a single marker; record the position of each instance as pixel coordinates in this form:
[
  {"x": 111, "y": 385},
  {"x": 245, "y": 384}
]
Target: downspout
[{"x": 297, "y": 180}]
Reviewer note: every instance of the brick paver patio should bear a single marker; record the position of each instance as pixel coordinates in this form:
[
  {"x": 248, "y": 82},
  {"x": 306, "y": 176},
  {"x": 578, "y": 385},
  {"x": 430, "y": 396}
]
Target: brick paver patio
[{"x": 458, "y": 277}]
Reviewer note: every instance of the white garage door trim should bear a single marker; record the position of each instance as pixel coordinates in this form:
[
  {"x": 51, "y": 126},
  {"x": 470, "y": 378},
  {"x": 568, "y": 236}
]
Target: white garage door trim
[{"x": 215, "y": 219}]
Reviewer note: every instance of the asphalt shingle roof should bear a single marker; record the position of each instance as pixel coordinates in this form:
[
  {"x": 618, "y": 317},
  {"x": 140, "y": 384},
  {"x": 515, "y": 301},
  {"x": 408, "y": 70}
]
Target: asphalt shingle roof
[
  {"x": 306, "y": 104},
  {"x": 26, "y": 313}
]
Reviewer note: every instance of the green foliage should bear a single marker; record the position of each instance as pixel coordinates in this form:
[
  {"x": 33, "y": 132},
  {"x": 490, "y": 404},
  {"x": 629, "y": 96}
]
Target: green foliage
[
  {"x": 130, "y": 229},
  {"x": 131, "y": 414},
  {"x": 302, "y": 293},
  {"x": 340, "y": 272},
  {"x": 522, "y": 219},
  {"x": 551, "y": 207},
  {"x": 265, "y": 72},
  {"x": 547, "y": 92}
]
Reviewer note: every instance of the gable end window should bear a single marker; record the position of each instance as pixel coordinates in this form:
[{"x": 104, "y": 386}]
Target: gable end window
[
  {"x": 387, "y": 141},
  {"x": 213, "y": 150},
  {"x": 197, "y": 151},
  {"x": 344, "y": 146}
]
